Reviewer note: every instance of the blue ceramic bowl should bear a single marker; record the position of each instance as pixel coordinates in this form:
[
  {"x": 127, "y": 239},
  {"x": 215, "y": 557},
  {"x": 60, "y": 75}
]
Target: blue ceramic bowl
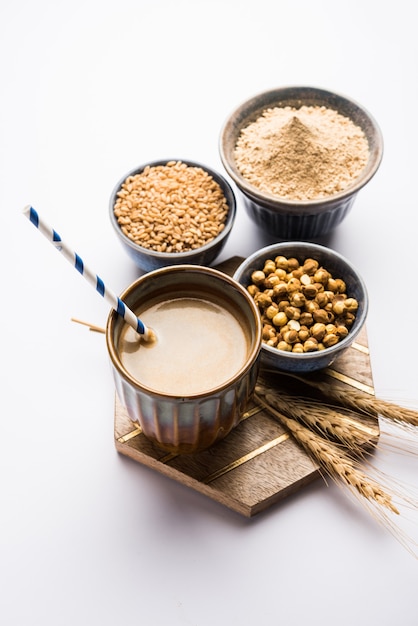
[
  {"x": 340, "y": 267},
  {"x": 294, "y": 219},
  {"x": 148, "y": 260}
]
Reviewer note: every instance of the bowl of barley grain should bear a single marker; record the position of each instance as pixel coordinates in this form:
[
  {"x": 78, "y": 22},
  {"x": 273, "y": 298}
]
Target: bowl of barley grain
[
  {"x": 312, "y": 301},
  {"x": 299, "y": 156},
  {"x": 172, "y": 212}
]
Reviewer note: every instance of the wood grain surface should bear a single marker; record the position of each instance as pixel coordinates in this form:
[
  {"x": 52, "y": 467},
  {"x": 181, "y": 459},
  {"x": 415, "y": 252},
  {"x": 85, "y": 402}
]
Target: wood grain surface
[{"x": 258, "y": 463}]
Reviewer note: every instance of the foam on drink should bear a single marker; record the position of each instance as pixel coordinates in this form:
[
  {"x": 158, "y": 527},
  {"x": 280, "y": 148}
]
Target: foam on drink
[{"x": 200, "y": 346}]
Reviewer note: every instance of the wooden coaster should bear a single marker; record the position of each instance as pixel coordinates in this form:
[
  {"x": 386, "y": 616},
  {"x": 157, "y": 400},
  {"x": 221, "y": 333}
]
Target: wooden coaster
[{"x": 258, "y": 463}]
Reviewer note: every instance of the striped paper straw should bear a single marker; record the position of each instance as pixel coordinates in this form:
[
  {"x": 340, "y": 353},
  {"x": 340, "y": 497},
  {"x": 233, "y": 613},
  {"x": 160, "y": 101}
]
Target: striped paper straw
[{"x": 94, "y": 280}]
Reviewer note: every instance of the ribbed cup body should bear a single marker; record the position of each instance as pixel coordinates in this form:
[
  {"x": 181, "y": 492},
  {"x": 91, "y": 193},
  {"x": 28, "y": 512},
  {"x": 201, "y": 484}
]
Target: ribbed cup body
[{"x": 187, "y": 424}]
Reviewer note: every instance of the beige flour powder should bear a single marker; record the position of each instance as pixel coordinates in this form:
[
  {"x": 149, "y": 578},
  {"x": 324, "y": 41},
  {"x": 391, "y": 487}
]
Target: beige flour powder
[{"x": 301, "y": 154}]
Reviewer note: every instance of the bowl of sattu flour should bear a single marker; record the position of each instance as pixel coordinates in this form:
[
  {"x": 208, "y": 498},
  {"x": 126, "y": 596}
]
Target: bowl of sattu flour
[{"x": 299, "y": 156}]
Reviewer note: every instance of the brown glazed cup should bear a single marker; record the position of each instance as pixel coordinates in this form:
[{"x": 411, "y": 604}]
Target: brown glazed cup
[{"x": 176, "y": 423}]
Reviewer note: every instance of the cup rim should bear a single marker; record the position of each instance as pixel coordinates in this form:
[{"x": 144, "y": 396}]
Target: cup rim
[{"x": 254, "y": 347}]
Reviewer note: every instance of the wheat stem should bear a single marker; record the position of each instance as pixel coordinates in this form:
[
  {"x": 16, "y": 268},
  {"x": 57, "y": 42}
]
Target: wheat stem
[
  {"x": 329, "y": 421},
  {"x": 333, "y": 460},
  {"x": 369, "y": 405}
]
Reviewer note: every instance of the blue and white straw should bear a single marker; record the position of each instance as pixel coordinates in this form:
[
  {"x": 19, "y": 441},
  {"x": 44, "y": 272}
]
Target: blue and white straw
[{"x": 94, "y": 280}]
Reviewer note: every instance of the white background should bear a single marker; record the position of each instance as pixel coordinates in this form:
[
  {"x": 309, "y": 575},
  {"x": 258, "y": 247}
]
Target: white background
[{"x": 89, "y": 90}]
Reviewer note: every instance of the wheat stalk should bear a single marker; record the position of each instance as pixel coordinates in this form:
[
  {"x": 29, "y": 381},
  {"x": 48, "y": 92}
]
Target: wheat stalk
[
  {"x": 369, "y": 405},
  {"x": 327, "y": 420},
  {"x": 335, "y": 461}
]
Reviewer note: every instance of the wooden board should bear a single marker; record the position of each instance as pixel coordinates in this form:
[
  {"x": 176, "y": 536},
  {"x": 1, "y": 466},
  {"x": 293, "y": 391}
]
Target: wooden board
[{"x": 258, "y": 463}]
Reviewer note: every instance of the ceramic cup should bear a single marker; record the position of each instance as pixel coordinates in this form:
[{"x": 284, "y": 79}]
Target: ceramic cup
[{"x": 189, "y": 389}]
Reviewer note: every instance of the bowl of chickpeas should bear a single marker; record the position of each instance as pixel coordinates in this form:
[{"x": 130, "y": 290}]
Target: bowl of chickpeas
[
  {"x": 312, "y": 301},
  {"x": 172, "y": 212}
]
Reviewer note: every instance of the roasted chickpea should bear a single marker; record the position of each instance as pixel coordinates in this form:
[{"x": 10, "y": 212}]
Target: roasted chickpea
[
  {"x": 252, "y": 290},
  {"x": 280, "y": 273},
  {"x": 310, "y": 266},
  {"x": 330, "y": 340},
  {"x": 341, "y": 331},
  {"x": 297, "y": 299},
  {"x": 310, "y": 345},
  {"x": 268, "y": 332},
  {"x": 321, "y": 276},
  {"x": 273, "y": 342},
  {"x": 293, "y": 285},
  {"x": 269, "y": 267},
  {"x": 271, "y": 311},
  {"x": 331, "y": 328},
  {"x": 271, "y": 280},
  {"x": 349, "y": 318},
  {"x": 303, "y": 307},
  {"x": 263, "y": 300},
  {"x": 258, "y": 277},
  {"x": 332, "y": 285},
  {"x": 292, "y": 312},
  {"x": 290, "y": 336},
  {"x": 281, "y": 262},
  {"x": 296, "y": 273},
  {"x": 304, "y": 334},
  {"x": 280, "y": 290},
  {"x": 341, "y": 286},
  {"x": 320, "y": 315},
  {"x": 280, "y": 319},
  {"x": 306, "y": 319},
  {"x": 305, "y": 279},
  {"x": 293, "y": 325},
  {"x": 311, "y": 306},
  {"x": 318, "y": 331},
  {"x": 338, "y": 305},
  {"x": 310, "y": 291},
  {"x": 293, "y": 264},
  {"x": 351, "y": 304},
  {"x": 322, "y": 299},
  {"x": 298, "y": 347}
]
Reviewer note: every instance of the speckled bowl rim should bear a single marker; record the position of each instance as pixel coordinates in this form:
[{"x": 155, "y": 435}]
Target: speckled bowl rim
[
  {"x": 313, "y": 248},
  {"x": 181, "y": 257},
  {"x": 297, "y": 96}
]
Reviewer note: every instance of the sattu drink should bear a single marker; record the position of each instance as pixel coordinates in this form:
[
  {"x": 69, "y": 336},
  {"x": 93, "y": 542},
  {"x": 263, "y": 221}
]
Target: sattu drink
[
  {"x": 189, "y": 388},
  {"x": 200, "y": 345}
]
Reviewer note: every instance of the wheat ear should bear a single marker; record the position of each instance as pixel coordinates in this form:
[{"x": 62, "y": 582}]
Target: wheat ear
[
  {"x": 368, "y": 405},
  {"x": 334, "y": 461},
  {"x": 327, "y": 420}
]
